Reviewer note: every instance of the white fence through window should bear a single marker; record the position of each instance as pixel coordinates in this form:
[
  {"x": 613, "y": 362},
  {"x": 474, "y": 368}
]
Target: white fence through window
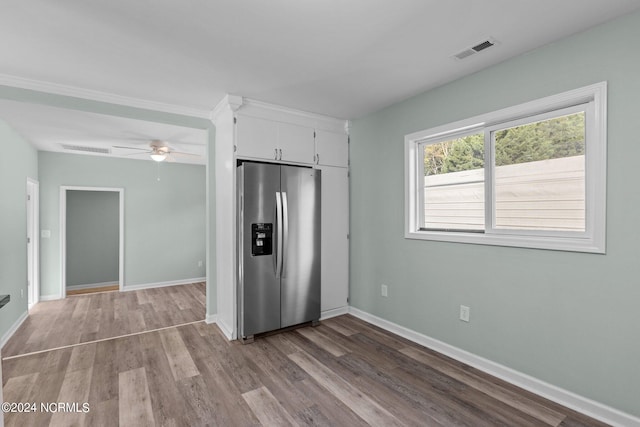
[{"x": 540, "y": 195}]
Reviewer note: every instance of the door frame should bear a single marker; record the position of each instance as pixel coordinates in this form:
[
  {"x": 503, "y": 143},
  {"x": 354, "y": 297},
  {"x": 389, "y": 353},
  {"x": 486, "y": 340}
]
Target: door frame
[
  {"x": 63, "y": 233},
  {"x": 33, "y": 247}
]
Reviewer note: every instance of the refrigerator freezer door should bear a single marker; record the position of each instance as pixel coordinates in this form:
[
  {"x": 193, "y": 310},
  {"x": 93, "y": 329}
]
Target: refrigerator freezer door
[
  {"x": 300, "y": 281},
  {"x": 258, "y": 287}
]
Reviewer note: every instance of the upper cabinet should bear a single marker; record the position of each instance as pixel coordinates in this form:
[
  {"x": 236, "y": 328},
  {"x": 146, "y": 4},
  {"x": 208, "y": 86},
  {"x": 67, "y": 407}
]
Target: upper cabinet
[
  {"x": 332, "y": 149},
  {"x": 271, "y": 140},
  {"x": 257, "y": 138},
  {"x": 296, "y": 143}
]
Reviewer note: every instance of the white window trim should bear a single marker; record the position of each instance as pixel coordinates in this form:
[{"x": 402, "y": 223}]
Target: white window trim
[{"x": 593, "y": 240}]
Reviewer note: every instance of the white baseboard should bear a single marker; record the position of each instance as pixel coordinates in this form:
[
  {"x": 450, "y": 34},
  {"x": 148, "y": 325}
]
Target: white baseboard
[
  {"x": 12, "y": 330},
  {"x": 556, "y": 394},
  {"x": 162, "y": 284},
  {"x": 91, "y": 285},
  {"x": 226, "y": 330},
  {"x": 211, "y": 318},
  {"x": 50, "y": 297},
  {"x": 327, "y": 314}
]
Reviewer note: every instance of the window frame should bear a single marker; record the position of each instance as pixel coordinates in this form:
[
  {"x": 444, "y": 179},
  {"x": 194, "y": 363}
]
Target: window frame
[{"x": 593, "y": 99}]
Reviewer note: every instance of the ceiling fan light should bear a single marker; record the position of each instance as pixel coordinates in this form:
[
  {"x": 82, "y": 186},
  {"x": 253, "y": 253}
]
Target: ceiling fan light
[{"x": 158, "y": 157}]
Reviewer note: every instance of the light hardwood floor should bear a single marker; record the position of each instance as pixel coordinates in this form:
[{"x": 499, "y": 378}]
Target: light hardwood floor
[
  {"x": 344, "y": 372},
  {"x": 109, "y": 288},
  {"x": 84, "y": 318}
]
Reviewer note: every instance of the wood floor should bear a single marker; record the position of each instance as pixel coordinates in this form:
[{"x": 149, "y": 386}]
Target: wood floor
[
  {"x": 344, "y": 372},
  {"x": 84, "y": 318},
  {"x": 109, "y": 288}
]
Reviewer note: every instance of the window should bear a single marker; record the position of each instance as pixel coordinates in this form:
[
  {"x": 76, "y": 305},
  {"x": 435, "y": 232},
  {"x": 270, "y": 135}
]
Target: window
[{"x": 532, "y": 175}]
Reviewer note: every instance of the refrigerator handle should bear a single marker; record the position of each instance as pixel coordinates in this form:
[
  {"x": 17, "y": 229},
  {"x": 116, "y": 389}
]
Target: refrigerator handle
[
  {"x": 285, "y": 230},
  {"x": 278, "y": 234}
]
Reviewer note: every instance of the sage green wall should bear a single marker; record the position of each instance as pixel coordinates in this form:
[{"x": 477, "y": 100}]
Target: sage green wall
[
  {"x": 31, "y": 96},
  {"x": 164, "y": 220},
  {"x": 18, "y": 160},
  {"x": 570, "y": 319},
  {"x": 93, "y": 237}
]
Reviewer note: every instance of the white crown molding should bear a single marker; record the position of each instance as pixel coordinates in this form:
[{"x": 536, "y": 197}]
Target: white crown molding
[
  {"x": 554, "y": 393},
  {"x": 94, "y": 95},
  {"x": 265, "y": 110},
  {"x": 231, "y": 102}
]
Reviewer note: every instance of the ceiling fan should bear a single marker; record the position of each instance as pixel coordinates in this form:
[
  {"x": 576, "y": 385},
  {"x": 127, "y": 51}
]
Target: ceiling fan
[{"x": 158, "y": 151}]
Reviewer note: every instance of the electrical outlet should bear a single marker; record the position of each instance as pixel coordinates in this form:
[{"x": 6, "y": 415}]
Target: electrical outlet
[
  {"x": 384, "y": 291},
  {"x": 465, "y": 313},
  {"x": 199, "y": 263},
  {"x": 21, "y": 293}
]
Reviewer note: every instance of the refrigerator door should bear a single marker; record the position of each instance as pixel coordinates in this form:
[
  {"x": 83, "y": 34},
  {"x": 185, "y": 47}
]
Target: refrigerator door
[
  {"x": 300, "y": 278},
  {"x": 258, "y": 214}
]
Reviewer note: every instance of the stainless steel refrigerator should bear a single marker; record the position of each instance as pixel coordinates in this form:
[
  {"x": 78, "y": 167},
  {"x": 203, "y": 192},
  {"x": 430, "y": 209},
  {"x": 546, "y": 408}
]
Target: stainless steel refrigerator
[{"x": 278, "y": 247}]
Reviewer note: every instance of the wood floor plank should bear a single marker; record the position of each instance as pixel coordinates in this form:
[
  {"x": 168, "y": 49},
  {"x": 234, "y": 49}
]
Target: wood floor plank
[
  {"x": 542, "y": 413},
  {"x": 81, "y": 309},
  {"x": 180, "y": 360},
  {"x": 134, "y": 403},
  {"x": 103, "y": 414},
  {"x": 339, "y": 327},
  {"x": 330, "y": 406},
  {"x": 267, "y": 408},
  {"x": 82, "y": 357},
  {"x": 223, "y": 393},
  {"x": 75, "y": 389},
  {"x": 166, "y": 399},
  {"x": 323, "y": 341},
  {"x": 104, "y": 383},
  {"x": 359, "y": 403}
]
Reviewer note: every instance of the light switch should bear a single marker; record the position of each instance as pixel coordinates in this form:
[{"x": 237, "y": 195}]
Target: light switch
[{"x": 45, "y": 234}]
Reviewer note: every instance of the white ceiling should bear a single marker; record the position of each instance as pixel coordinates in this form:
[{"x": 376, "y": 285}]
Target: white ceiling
[
  {"x": 340, "y": 58},
  {"x": 49, "y": 128}
]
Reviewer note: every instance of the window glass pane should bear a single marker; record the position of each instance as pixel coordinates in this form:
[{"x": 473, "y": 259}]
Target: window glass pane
[
  {"x": 540, "y": 175},
  {"x": 454, "y": 184}
]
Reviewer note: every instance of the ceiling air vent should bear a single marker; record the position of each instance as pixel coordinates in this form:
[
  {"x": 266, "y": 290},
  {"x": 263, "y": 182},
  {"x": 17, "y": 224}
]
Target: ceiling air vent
[
  {"x": 475, "y": 49},
  {"x": 86, "y": 149}
]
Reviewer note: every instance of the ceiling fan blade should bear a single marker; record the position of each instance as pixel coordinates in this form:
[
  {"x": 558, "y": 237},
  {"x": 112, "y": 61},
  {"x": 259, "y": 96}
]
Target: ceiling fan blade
[
  {"x": 129, "y": 148},
  {"x": 137, "y": 154},
  {"x": 180, "y": 153}
]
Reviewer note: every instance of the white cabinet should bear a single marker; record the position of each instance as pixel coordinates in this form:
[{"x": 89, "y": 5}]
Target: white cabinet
[
  {"x": 332, "y": 149},
  {"x": 271, "y": 140},
  {"x": 296, "y": 143},
  {"x": 334, "y": 238},
  {"x": 257, "y": 138}
]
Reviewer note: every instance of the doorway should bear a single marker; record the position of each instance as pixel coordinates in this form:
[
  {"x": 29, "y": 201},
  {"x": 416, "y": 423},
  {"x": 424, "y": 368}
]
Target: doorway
[
  {"x": 92, "y": 239},
  {"x": 33, "y": 247}
]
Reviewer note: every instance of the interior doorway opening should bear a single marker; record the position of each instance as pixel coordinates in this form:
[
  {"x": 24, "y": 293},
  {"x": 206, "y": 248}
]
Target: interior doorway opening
[{"x": 92, "y": 239}]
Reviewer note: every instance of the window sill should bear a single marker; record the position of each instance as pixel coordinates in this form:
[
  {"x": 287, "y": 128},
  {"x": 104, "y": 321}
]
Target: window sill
[{"x": 571, "y": 244}]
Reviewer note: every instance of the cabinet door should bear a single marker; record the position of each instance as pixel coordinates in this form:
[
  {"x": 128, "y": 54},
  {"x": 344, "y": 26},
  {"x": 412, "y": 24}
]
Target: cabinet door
[
  {"x": 296, "y": 143},
  {"x": 257, "y": 138},
  {"x": 334, "y": 242},
  {"x": 332, "y": 148}
]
